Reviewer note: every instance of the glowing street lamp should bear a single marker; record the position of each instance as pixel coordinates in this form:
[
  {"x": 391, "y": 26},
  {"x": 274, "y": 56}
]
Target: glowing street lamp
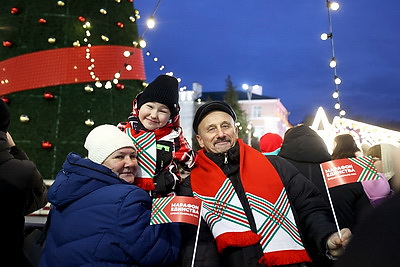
[{"x": 250, "y": 89}]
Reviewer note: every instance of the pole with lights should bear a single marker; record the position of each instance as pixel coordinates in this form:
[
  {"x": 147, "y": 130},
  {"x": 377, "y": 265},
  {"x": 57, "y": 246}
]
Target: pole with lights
[
  {"x": 249, "y": 90},
  {"x": 334, "y": 6}
]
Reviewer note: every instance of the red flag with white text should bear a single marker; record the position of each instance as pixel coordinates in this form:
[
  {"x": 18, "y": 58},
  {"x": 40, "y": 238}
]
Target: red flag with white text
[
  {"x": 176, "y": 209},
  {"x": 348, "y": 170}
]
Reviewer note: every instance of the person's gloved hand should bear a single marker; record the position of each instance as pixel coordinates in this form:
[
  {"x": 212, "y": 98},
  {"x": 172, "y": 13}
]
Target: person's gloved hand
[{"x": 165, "y": 182}]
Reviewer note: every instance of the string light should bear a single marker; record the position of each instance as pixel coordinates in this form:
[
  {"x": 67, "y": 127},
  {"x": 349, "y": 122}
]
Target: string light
[
  {"x": 91, "y": 67},
  {"x": 150, "y": 23},
  {"x": 334, "y": 6}
]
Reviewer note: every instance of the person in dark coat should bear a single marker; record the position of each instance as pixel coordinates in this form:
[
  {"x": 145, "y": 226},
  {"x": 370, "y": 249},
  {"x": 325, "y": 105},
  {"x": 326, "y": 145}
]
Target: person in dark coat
[
  {"x": 305, "y": 149},
  {"x": 376, "y": 238},
  {"x": 257, "y": 210},
  {"x": 22, "y": 191},
  {"x": 99, "y": 218}
]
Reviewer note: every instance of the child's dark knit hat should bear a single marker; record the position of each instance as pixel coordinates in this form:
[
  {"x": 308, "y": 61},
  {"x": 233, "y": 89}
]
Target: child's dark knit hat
[
  {"x": 164, "y": 90},
  {"x": 4, "y": 116}
]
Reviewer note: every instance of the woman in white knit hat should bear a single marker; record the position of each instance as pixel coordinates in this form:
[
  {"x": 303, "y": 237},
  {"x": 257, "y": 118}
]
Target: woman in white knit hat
[{"x": 99, "y": 218}]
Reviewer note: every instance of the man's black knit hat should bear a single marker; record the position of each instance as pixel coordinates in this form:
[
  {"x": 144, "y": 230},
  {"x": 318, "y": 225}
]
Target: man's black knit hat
[
  {"x": 164, "y": 90},
  {"x": 208, "y": 108},
  {"x": 4, "y": 116}
]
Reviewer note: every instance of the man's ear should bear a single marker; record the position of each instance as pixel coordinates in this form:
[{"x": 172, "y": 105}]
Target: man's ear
[
  {"x": 200, "y": 141},
  {"x": 237, "y": 131}
]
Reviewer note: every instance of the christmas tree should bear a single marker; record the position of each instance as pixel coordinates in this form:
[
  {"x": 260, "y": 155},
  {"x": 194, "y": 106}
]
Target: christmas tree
[{"x": 66, "y": 67}]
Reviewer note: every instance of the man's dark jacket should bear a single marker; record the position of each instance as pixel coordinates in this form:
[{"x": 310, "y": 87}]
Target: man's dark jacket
[
  {"x": 311, "y": 213},
  {"x": 22, "y": 191}
]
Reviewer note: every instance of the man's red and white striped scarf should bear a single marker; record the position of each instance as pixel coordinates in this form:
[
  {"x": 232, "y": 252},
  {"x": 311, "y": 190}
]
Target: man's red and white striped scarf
[{"x": 222, "y": 210}]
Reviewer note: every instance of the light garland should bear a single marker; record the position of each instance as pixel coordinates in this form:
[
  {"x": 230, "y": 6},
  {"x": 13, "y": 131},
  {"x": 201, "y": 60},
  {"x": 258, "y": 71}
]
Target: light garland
[
  {"x": 150, "y": 24},
  {"x": 333, "y": 64},
  {"x": 91, "y": 68}
]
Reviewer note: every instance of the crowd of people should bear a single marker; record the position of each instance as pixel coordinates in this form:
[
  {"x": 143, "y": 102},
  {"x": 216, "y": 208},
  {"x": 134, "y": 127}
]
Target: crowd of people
[{"x": 268, "y": 208}]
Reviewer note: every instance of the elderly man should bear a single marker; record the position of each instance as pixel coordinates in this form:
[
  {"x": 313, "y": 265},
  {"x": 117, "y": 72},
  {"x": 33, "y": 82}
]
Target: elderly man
[{"x": 261, "y": 211}]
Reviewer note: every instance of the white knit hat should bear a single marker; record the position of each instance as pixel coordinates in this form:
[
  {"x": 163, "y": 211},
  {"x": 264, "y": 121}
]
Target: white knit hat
[{"x": 103, "y": 140}]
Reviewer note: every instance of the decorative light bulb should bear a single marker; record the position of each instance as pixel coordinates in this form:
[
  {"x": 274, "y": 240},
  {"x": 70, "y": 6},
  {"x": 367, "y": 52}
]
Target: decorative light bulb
[
  {"x": 103, "y": 11},
  {"x": 127, "y": 54},
  {"x": 24, "y": 118},
  {"x": 60, "y": 3},
  {"x": 89, "y": 122},
  {"x": 128, "y": 67},
  {"x": 51, "y": 40},
  {"x": 142, "y": 43},
  {"x": 88, "y": 88},
  {"x": 108, "y": 85},
  {"x": 334, "y": 6},
  {"x": 342, "y": 112},
  {"x": 98, "y": 84},
  {"x": 332, "y": 64},
  {"x": 151, "y": 23},
  {"x": 337, "y": 80},
  {"x": 325, "y": 36},
  {"x": 337, "y": 106},
  {"x": 105, "y": 38},
  {"x": 335, "y": 94}
]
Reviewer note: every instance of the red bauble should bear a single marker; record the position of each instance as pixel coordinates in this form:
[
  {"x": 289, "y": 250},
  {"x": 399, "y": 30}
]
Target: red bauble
[
  {"x": 7, "y": 43},
  {"x": 120, "y": 86},
  {"x": 14, "y": 11},
  {"x": 81, "y": 19},
  {"x": 42, "y": 21},
  {"x": 120, "y": 24},
  {"x": 48, "y": 95},
  {"x": 5, "y": 99},
  {"x": 47, "y": 145}
]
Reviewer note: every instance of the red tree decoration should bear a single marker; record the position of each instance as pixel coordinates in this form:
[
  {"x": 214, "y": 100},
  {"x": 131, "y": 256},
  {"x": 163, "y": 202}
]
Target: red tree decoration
[
  {"x": 48, "y": 95},
  {"x": 14, "y": 11},
  {"x": 47, "y": 145},
  {"x": 7, "y": 43}
]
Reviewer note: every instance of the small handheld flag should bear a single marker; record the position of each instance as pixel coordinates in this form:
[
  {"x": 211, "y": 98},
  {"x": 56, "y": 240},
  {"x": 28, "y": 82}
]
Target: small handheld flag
[
  {"x": 344, "y": 171},
  {"x": 176, "y": 209},
  {"x": 349, "y": 170}
]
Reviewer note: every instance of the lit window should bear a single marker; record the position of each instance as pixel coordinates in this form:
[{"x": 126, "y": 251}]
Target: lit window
[{"x": 256, "y": 112}]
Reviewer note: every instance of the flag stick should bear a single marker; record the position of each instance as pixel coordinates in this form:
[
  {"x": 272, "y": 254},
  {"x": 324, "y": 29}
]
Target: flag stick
[
  {"x": 197, "y": 235},
  {"x": 330, "y": 202}
]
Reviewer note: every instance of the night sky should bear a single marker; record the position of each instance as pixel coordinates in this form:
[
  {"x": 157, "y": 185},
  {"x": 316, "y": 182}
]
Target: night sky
[{"x": 276, "y": 44}]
